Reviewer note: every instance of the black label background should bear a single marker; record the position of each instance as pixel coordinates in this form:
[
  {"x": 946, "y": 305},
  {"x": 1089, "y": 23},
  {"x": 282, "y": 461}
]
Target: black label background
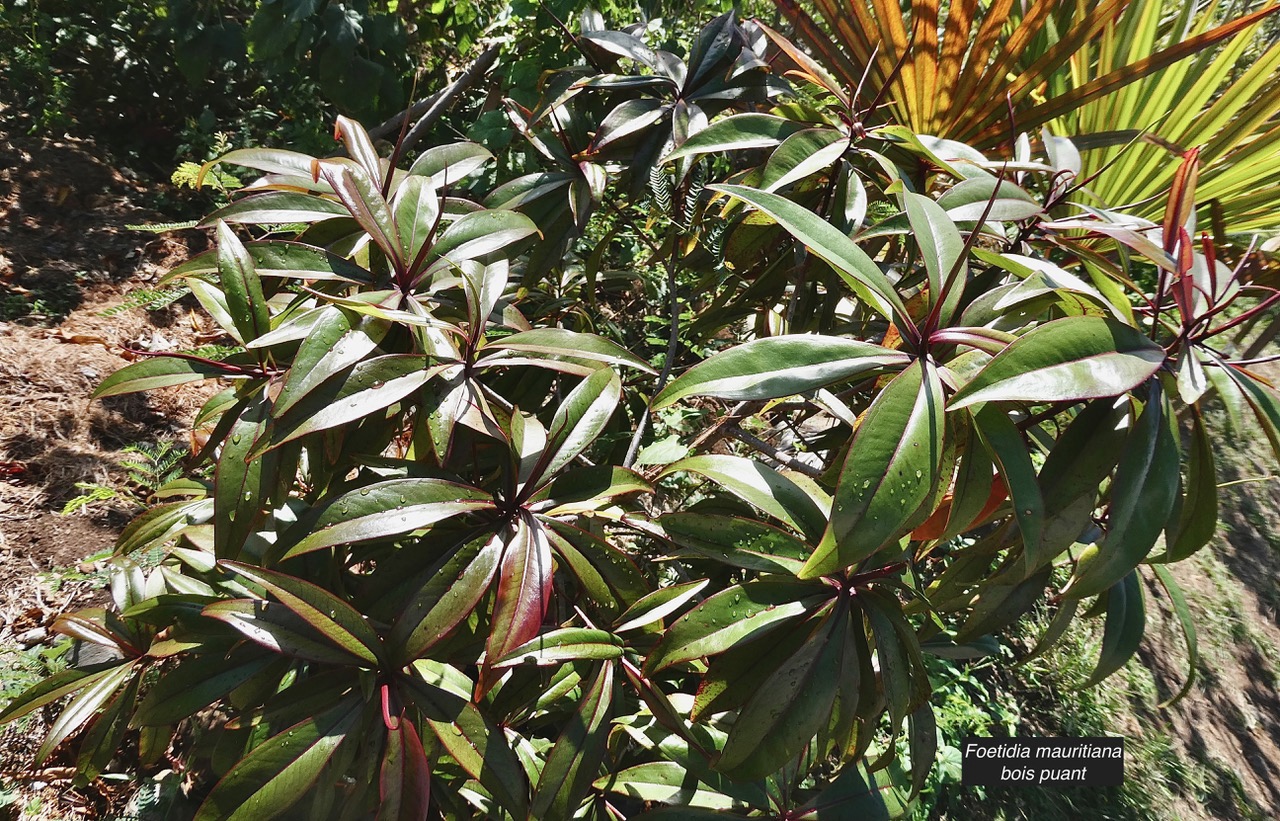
[{"x": 988, "y": 772}]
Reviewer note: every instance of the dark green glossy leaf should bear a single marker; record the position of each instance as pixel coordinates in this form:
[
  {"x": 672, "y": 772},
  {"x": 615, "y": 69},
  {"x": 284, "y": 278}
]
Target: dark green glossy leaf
[
  {"x": 759, "y": 485},
  {"x": 828, "y": 244},
  {"x": 781, "y": 366},
  {"x": 1013, "y": 458},
  {"x": 658, "y": 605},
  {"x": 1069, "y": 359},
  {"x": 337, "y": 340},
  {"x": 1142, "y": 497},
  {"x": 90, "y": 701},
  {"x": 1187, "y": 622},
  {"x": 277, "y": 207},
  {"x": 54, "y": 687},
  {"x": 1126, "y": 622},
  {"x": 193, "y": 684},
  {"x": 670, "y": 783},
  {"x": 156, "y": 372},
  {"x": 390, "y": 508},
  {"x": 736, "y": 133},
  {"x": 242, "y": 488},
  {"x": 241, "y": 286},
  {"x": 447, "y": 598},
  {"x": 523, "y": 591},
  {"x": 280, "y": 258},
  {"x": 280, "y": 630},
  {"x": 609, "y": 577},
  {"x": 940, "y": 248},
  {"x": 580, "y": 419},
  {"x": 738, "y": 542},
  {"x": 557, "y": 342},
  {"x": 790, "y": 707},
  {"x": 330, "y": 615},
  {"x": 565, "y": 644},
  {"x": 575, "y": 759},
  {"x": 283, "y": 769},
  {"x": 404, "y": 779},
  {"x": 1195, "y": 518},
  {"x": 732, "y": 616},
  {"x": 891, "y": 469}
]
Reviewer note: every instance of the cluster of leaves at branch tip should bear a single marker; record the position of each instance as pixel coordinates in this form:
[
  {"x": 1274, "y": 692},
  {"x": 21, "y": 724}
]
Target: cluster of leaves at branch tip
[{"x": 425, "y": 576}]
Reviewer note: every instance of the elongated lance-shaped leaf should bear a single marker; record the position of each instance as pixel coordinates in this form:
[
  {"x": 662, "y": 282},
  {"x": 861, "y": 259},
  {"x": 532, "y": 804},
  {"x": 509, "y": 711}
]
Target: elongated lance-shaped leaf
[
  {"x": 447, "y": 598},
  {"x": 1187, "y": 622},
  {"x": 477, "y": 235},
  {"x": 339, "y": 339},
  {"x": 283, "y": 769},
  {"x": 390, "y": 508},
  {"x": 1195, "y": 514},
  {"x": 280, "y": 630},
  {"x": 473, "y": 740},
  {"x": 554, "y": 343},
  {"x": 416, "y": 206},
  {"x": 832, "y": 247},
  {"x": 737, "y": 132},
  {"x": 280, "y": 258},
  {"x": 241, "y": 286},
  {"x": 404, "y": 779},
  {"x": 193, "y": 684},
  {"x": 781, "y": 366},
  {"x": 575, "y": 759},
  {"x": 789, "y": 708},
  {"x": 580, "y": 419},
  {"x": 161, "y": 523},
  {"x": 902, "y": 672},
  {"x": 892, "y": 468},
  {"x": 658, "y": 605},
  {"x": 587, "y": 488},
  {"x": 760, "y": 485},
  {"x": 102, "y": 738},
  {"x": 523, "y": 592},
  {"x": 1066, "y": 360},
  {"x": 277, "y": 207},
  {"x": 1142, "y": 497},
  {"x": 610, "y": 577},
  {"x": 1126, "y": 622},
  {"x": 241, "y": 488},
  {"x": 1013, "y": 459},
  {"x": 88, "y": 703},
  {"x": 157, "y": 372},
  {"x": 738, "y": 542},
  {"x": 732, "y": 616},
  {"x": 566, "y": 644},
  {"x": 330, "y": 615},
  {"x": 364, "y": 390},
  {"x": 56, "y": 686},
  {"x": 940, "y": 249},
  {"x": 363, "y": 200}
]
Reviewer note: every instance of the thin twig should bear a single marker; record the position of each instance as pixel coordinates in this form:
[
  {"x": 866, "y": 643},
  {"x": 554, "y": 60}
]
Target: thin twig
[{"x": 774, "y": 454}]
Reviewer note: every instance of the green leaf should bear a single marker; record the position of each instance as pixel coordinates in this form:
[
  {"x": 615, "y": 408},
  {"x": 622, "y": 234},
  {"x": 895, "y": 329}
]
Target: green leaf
[
  {"x": 671, "y": 783},
  {"x": 759, "y": 485},
  {"x": 828, "y": 244},
  {"x": 447, "y": 598},
  {"x": 479, "y": 234},
  {"x": 967, "y": 200},
  {"x": 1008, "y": 449},
  {"x": 281, "y": 258},
  {"x": 280, "y": 630},
  {"x": 282, "y": 770},
  {"x": 856, "y": 794},
  {"x": 363, "y": 200},
  {"x": 523, "y": 592},
  {"x": 371, "y": 386},
  {"x": 789, "y": 708},
  {"x": 578, "y": 753},
  {"x": 732, "y": 616},
  {"x": 241, "y": 488},
  {"x": 275, "y": 208},
  {"x": 587, "y": 488},
  {"x": 1069, "y": 359},
  {"x": 449, "y": 164},
  {"x": 330, "y": 615},
  {"x": 156, "y": 372},
  {"x": 391, "y": 508},
  {"x": 241, "y": 286},
  {"x": 892, "y": 468},
  {"x": 580, "y": 419},
  {"x": 737, "y": 542},
  {"x": 557, "y": 343},
  {"x": 662, "y": 452},
  {"x": 658, "y": 605},
  {"x": 610, "y": 578},
  {"x": 1196, "y": 509},
  {"x": 941, "y": 248},
  {"x": 161, "y": 523},
  {"x": 417, "y": 212},
  {"x": 193, "y": 684},
  {"x": 473, "y": 740},
  {"x": 1126, "y": 622},
  {"x": 91, "y": 701},
  {"x": 781, "y": 366},
  {"x": 902, "y": 671},
  {"x": 566, "y": 644},
  {"x": 1188, "y": 624},
  {"x": 337, "y": 340},
  {"x": 54, "y": 687},
  {"x": 404, "y": 779},
  {"x": 1142, "y": 497},
  {"x": 737, "y": 132}
]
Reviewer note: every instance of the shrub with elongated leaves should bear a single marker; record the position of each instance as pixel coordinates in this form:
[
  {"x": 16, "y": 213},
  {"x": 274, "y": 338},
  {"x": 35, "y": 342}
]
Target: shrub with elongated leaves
[{"x": 427, "y": 578}]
